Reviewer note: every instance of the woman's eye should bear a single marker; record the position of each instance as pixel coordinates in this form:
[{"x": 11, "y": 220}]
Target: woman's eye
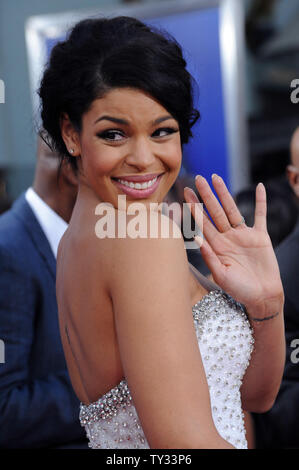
[
  {"x": 112, "y": 135},
  {"x": 162, "y": 132}
]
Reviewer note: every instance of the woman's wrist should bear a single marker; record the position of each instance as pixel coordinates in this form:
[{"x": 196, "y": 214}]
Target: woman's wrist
[
  {"x": 261, "y": 319},
  {"x": 265, "y": 312}
]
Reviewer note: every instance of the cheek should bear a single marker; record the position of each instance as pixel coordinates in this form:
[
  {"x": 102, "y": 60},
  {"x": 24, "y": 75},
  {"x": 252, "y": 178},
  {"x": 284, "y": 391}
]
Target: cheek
[
  {"x": 101, "y": 160},
  {"x": 173, "y": 157},
  {"x": 175, "y": 152}
]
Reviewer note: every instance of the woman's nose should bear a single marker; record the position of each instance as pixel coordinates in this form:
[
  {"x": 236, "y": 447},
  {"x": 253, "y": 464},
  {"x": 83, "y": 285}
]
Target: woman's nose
[{"x": 141, "y": 153}]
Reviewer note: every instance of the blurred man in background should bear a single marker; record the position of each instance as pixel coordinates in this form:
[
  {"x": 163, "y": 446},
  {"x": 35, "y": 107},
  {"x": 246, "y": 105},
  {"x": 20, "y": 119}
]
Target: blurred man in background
[
  {"x": 38, "y": 407},
  {"x": 282, "y": 209},
  {"x": 279, "y": 428}
]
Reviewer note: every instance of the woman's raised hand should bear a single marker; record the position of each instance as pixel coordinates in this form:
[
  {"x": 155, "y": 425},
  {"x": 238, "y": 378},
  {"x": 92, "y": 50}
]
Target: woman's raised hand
[{"x": 240, "y": 258}]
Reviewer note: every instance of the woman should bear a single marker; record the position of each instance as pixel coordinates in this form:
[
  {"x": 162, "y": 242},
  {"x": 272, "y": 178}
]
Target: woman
[{"x": 116, "y": 101}]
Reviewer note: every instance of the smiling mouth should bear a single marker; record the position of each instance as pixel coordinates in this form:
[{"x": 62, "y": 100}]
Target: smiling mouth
[
  {"x": 139, "y": 189},
  {"x": 130, "y": 184},
  {"x": 141, "y": 179}
]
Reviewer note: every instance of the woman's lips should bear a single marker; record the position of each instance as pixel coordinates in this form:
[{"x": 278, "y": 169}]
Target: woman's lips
[
  {"x": 139, "y": 178},
  {"x": 139, "y": 193}
]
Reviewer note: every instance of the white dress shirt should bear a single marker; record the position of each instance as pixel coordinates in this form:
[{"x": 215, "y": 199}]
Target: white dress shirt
[{"x": 51, "y": 223}]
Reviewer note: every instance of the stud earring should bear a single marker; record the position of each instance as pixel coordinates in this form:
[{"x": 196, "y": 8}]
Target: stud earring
[{"x": 71, "y": 150}]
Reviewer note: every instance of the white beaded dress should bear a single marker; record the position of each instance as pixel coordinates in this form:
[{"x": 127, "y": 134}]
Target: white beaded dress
[{"x": 226, "y": 343}]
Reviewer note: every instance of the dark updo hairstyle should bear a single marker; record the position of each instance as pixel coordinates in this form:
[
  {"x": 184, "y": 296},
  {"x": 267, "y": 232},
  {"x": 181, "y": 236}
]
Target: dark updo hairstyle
[{"x": 100, "y": 54}]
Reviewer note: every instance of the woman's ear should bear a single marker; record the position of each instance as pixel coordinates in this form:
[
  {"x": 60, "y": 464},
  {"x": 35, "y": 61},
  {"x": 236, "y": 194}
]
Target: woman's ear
[{"x": 69, "y": 135}]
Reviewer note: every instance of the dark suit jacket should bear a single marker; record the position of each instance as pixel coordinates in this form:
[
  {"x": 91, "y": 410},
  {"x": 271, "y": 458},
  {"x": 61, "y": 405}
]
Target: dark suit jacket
[
  {"x": 38, "y": 407},
  {"x": 279, "y": 427}
]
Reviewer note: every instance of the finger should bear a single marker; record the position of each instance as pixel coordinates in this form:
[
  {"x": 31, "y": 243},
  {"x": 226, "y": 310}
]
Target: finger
[
  {"x": 193, "y": 203},
  {"x": 260, "y": 214},
  {"x": 210, "y": 258},
  {"x": 212, "y": 204},
  {"x": 202, "y": 219},
  {"x": 230, "y": 208},
  {"x": 195, "y": 207}
]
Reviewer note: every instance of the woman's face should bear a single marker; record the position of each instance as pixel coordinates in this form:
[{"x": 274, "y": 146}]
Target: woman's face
[{"x": 129, "y": 145}]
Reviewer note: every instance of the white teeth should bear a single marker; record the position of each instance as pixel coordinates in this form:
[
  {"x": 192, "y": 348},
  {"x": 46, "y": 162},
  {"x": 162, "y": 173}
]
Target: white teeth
[{"x": 144, "y": 185}]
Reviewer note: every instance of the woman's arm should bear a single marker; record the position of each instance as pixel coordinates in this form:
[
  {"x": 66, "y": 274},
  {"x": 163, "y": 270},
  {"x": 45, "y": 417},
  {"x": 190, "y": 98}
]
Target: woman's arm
[
  {"x": 158, "y": 346},
  {"x": 242, "y": 262},
  {"x": 263, "y": 376}
]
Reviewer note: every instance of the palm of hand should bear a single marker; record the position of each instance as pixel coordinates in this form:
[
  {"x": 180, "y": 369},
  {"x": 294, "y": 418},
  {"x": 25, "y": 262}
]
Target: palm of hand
[
  {"x": 248, "y": 265},
  {"x": 241, "y": 259}
]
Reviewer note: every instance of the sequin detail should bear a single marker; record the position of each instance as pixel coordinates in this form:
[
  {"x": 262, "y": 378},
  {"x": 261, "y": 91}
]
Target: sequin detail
[
  {"x": 225, "y": 340},
  {"x": 107, "y": 406}
]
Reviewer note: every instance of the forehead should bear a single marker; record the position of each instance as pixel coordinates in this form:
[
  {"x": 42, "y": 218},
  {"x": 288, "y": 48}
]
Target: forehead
[{"x": 128, "y": 103}]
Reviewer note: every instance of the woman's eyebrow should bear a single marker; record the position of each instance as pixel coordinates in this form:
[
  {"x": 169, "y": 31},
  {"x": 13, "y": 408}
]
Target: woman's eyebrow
[
  {"x": 112, "y": 119},
  {"x": 126, "y": 123},
  {"x": 162, "y": 119}
]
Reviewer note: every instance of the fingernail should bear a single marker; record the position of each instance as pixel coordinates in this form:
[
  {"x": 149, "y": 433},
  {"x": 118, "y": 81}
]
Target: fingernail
[
  {"x": 214, "y": 176},
  {"x": 198, "y": 240},
  {"x": 191, "y": 194},
  {"x": 199, "y": 177}
]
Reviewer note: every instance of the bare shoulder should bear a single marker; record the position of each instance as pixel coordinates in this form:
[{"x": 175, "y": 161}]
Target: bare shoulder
[{"x": 156, "y": 249}]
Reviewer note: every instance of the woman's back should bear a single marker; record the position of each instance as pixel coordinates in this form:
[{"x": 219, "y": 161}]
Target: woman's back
[{"x": 89, "y": 334}]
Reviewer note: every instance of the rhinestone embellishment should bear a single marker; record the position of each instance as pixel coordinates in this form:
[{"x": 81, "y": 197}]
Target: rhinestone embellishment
[{"x": 107, "y": 406}]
